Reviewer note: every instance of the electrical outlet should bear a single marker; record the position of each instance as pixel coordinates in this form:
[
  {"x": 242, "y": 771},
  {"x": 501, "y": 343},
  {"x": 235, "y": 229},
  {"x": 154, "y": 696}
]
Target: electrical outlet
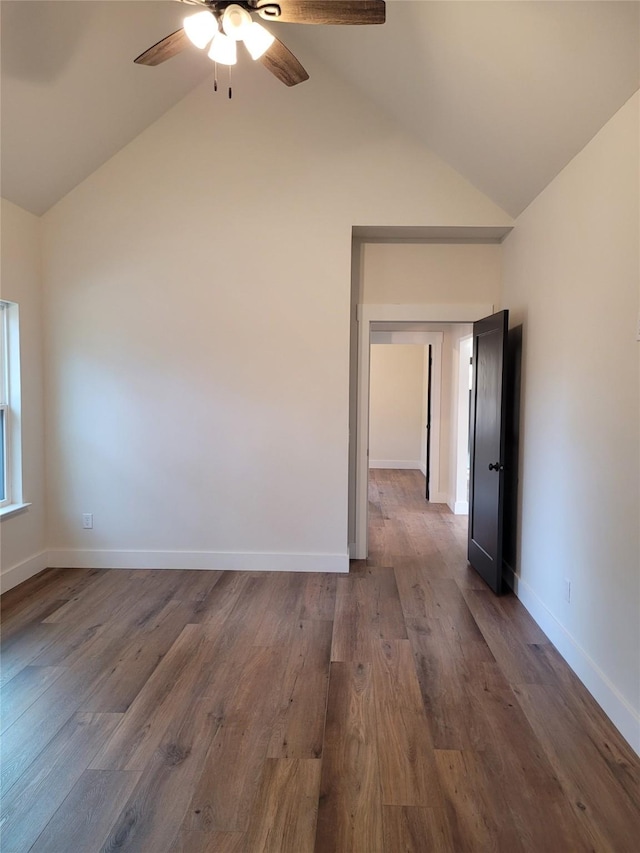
[
  {"x": 87, "y": 520},
  {"x": 567, "y": 590}
]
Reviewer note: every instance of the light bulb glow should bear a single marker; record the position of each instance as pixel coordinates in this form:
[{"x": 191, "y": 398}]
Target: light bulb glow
[
  {"x": 258, "y": 40},
  {"x": 236, "y": 21},
  {"x": 223, "y": 50},
  {"x": 200, "y": 28}
]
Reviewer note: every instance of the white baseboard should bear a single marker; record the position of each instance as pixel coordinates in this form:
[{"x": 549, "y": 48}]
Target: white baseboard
[
  {"x": 205, "y": 560},
  {"x": 23, "y": 571},
  {"x": 624, "y": 717},
  {"x": 438, "y": 498},
  {"x": 461, "y": 508},
  {"x": 401, "y": 464}
]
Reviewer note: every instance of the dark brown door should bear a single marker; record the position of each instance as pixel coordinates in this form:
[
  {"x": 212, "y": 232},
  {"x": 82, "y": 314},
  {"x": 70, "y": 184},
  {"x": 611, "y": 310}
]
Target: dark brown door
[
  {"x": 428, "y": 453},
  {"x": 487, "y": 444}
]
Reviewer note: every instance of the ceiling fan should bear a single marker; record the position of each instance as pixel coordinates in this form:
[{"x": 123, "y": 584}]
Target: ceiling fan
[{"x": 221, "y": 24}]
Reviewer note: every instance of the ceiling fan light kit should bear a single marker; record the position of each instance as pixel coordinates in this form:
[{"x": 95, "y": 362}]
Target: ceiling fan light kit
[
  {"x": 200, "y": 28},
  {"x": 237, "y": 25},
  {"x": 235, "y": 21},
  {"x": 257, "y": 40},
  {"x": 221, "y": 24},
  {"x": 223, "y": 50}
]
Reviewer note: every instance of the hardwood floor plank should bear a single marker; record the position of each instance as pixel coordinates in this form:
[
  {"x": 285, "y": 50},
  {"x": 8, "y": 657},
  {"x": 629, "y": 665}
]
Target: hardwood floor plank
[
  {"x": 443, "y": 675},
  {"x": 110, "y": 621},
  {"x": 350, "y": 810},
  {"x": 514, "y": 762},
  {"x": 34, "y": 729},
  {"x": 225, "y": 792},
  {"x": 167, "y": 780},
  {"x": 318, "y": 597},
  {"x": 17, "y": 623},
  {"x": 89, "y": 599},
  {"x": 368, "y": 608},
  {"x": 278, "y": 620},
  {"x": 197, "y": 594},
  {"x": 608, "y": 813},
  {"x": 477, "y": 818},
  {"x": 23, "y": 690},
  {"x": 49, "y": 584},
  {"x": 23, "y": 647},
  {"x": 129, "y": 665},
  {"x": 144, "y": 724},
  {"x": 194, "y": 841},
  {"x": 614, "y": 750},
  {"x": 520, "y": 664},
  {"x": 386, "y": 609},
  {"x": 298, "y": 730},
  {"x": 42, "y": 787},
  {"x": 352, "y": 637},
  {"x": 411, "y": 829},
  {"x": 85, "y": 817},
  {"x": 405, "y": 748},
  {"x": 285, "y": 818},
  {"x": 425, "y": 597}
]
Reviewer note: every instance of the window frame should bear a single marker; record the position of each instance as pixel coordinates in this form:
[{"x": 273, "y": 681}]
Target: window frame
[
  {"x": 11, "y": 405},
  {"x": 5, "y": 407}
]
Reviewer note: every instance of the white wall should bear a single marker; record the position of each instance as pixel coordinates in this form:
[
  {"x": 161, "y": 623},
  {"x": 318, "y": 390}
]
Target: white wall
[
  {"x": 571, "y": 277},
  {"x": 397, "y": 394},
  {"x": 436, "y": 273},
  {"x": 197, "y": 295},
  {"x": 23, "y": 535}
]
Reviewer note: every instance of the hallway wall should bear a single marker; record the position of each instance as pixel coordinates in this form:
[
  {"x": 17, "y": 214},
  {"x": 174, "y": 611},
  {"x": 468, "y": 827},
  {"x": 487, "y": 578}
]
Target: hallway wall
[
  {"x": 397, "y": 394},
  {"x": 571, "y": 279}
]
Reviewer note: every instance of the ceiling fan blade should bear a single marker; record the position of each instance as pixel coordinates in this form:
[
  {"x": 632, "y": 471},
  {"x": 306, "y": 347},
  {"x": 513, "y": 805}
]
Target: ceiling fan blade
[
  {"x": 164, "y": 49},
  {"x": 282, "y": 64},
  {"x": 323, "y": 11}
]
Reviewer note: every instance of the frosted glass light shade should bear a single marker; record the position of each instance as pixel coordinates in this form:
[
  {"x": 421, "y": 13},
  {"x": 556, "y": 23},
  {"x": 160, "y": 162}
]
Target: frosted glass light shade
[
  {"x": 200, "y": 28},
  {"x": 223, "y": 50},
  {"x": 236, "y": 21},
  {"x": 258, "y": 40}
]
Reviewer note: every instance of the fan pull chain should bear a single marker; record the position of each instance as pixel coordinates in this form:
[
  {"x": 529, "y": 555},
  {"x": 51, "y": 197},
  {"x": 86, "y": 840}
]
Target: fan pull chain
[
  {"x": 215, "y": 76},
  {"x": 230, "y": 89}
]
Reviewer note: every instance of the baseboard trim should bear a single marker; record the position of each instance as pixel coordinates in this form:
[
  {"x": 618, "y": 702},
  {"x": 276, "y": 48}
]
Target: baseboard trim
[
  {"x": 204, "y": 560},
  {"x": 21, "y": 572},
  {"x": 624, "y": 717},
  {"x": 400, "y": 464},
  {"x": 438, "y": 498},
  {"x": 461, "y": 508}
]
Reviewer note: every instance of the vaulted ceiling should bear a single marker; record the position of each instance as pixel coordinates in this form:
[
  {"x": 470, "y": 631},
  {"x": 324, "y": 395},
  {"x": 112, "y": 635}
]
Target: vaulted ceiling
[{"x": 505, "y": 92}]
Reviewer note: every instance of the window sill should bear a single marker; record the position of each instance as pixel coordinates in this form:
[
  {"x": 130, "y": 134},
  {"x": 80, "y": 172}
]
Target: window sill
[{"x": 12, "y": 509}]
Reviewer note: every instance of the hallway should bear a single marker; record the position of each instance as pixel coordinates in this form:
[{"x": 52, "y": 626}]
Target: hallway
[{"x": 523, "y": 758}]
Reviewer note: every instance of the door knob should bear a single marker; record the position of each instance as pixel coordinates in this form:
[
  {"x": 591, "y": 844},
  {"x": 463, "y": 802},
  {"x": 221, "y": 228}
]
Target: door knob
[{"x": 496, "y": 466}]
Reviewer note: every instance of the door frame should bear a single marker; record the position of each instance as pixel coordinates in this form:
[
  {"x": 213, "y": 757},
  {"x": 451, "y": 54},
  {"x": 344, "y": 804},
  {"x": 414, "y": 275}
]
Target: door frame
[
  {"x": 399, "y": 337},
  {"x": 366, "y": 315}
]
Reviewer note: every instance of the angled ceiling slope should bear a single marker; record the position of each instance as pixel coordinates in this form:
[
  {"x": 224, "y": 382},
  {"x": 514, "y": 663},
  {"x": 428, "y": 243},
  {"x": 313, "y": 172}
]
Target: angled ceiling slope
[
  {"x": 505, "y": 92},
  {"x": 71, "y": 97}
]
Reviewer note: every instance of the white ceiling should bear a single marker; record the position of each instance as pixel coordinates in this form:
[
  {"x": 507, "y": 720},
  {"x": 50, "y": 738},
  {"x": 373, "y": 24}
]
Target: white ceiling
[{"x": 506, "y": 92}]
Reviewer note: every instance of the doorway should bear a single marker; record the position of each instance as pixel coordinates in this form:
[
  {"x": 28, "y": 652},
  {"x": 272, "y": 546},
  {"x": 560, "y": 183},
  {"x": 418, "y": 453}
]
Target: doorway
[{"x": 372, "y": 319}]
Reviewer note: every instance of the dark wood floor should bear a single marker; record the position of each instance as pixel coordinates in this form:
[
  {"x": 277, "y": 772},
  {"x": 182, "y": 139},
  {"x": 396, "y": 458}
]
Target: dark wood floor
[{"x": 400, "y": 708}]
